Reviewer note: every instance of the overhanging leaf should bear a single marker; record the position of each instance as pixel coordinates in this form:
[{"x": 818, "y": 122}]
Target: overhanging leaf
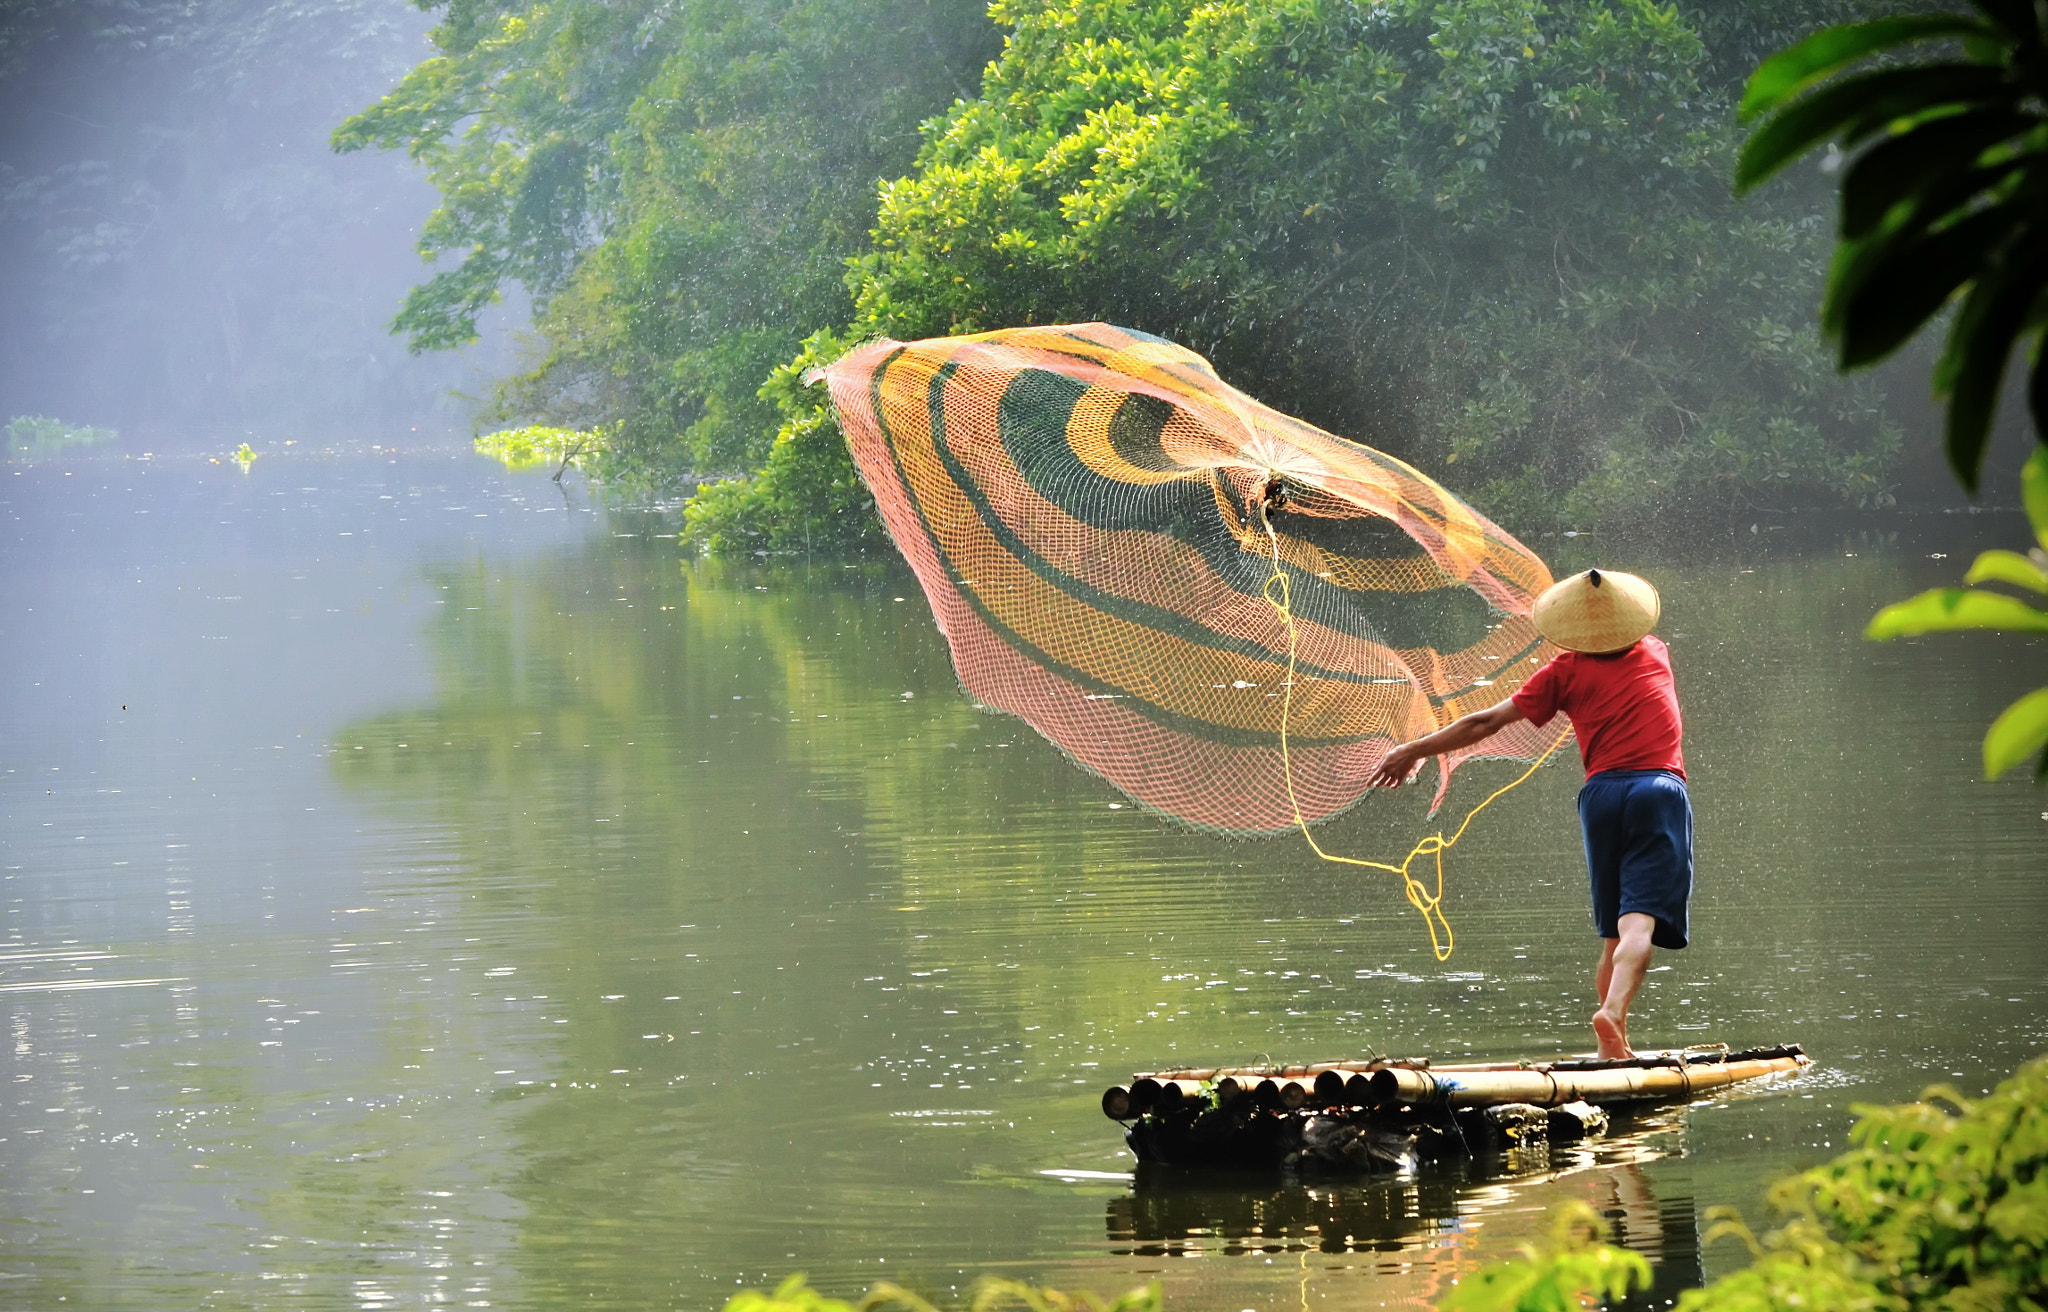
[
  {"x": 1914, "y": 280},
  {"x": 2001, "y": 566},
  {"x": 2034, "y": 487},
  {"x": 1952, "y": 610},
  {"x": 1973, "y": 363},
  {"x": 1909, "y": 163},
  {"x": 1856, "y": 260},
  {"x": 2020, "y": 730},
  {"x": 1849, "y": 110},
  {"x": 1791, "y": 71}
]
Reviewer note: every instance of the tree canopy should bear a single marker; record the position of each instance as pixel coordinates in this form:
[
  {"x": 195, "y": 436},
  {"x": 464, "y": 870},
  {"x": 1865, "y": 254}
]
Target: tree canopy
[
  {"x": 676, "y": 187},
  {"x": 1493, "y": 236}
]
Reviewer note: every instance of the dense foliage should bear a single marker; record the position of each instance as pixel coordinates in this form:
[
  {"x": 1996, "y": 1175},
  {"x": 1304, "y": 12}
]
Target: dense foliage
[
  {"x": 676, "y": 187},
  {"x": 1933, "y": 1208},
  {"x": 538, "y": 444},
  {"x": 1492, "y": 235},
  {"x": 1485, "y": 234},
  {"x": 989, "y": 1294}
]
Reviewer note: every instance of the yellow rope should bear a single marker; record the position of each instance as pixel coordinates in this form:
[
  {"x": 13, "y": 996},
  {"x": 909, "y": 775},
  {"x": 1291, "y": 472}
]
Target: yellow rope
[{"x": 1429, "y": 903}]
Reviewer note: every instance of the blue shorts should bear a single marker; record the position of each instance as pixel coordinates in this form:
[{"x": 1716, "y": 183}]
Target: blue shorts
[{"x": 1638, "y": 826}]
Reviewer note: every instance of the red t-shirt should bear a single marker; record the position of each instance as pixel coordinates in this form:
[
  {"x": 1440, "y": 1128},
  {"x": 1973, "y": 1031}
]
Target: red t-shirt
[{"x": 1623, "y": 706}]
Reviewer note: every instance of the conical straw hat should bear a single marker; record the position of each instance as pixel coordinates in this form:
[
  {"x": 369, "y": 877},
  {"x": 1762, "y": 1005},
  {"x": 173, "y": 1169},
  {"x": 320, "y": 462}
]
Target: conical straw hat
[{"x": 1597, "y": 611}]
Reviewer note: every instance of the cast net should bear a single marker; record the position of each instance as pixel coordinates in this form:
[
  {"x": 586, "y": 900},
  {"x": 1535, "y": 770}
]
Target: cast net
[{"x": 1131, "y": 555}]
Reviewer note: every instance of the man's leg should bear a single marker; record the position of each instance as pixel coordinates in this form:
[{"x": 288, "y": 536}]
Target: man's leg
[{"x": 1623, "y": 962}]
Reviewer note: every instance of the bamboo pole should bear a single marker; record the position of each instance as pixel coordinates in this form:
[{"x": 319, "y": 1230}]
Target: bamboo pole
[
  {"x": 1396, "y": 1086},
  {"x": 1307, "y": 1072}
]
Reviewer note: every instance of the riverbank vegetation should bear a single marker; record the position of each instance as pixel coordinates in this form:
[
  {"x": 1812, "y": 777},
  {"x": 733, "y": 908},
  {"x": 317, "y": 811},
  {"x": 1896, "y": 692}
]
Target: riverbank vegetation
[
  {"x": 39, "y": 437},
  {"x": 1490, "y": 236},
  {"x": 1938, "y": 1204},
  {"x": 989, "y": 1294}
]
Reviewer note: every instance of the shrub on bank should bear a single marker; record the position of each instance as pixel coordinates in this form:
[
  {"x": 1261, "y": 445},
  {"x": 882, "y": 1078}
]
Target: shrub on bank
[
  {"x": 1940, "y": 1205},
  {"x": 989, "y": 1294}
]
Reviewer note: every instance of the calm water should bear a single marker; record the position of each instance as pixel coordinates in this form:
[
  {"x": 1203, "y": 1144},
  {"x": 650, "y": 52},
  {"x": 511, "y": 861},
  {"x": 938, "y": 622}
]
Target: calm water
[{"x": 422, "y": 889}]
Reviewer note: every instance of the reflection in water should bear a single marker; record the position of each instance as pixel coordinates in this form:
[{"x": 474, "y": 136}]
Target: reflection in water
[
  {"x": 1423, "y": 1224},
  {"x": 415, "y": 893},
  {"x": 1174, "y": 1211}
]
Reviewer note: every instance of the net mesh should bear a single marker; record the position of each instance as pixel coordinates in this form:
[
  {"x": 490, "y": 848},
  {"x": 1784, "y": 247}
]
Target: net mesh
[{"x": 1086, "y": 509}]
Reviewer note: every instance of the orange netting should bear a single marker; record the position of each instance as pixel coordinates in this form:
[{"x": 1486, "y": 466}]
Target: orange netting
[{"x": 1083, "y": 507}]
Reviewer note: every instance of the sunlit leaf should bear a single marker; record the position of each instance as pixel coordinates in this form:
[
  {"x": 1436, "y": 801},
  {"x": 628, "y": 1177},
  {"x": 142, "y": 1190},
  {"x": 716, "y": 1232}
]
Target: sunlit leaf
[
  {"x": 1947, "y": 610},
  {"x": 1910, "y": 164},
  {"x": 2020, "y": 730},
  {"x": 1855, "y": 107},
  {"x": 2001, "y": 566},
  {"x": 2034, "y": 486},
  {"x": 1791, "y": 71},
  {"x": 1562, "y": 1275}
]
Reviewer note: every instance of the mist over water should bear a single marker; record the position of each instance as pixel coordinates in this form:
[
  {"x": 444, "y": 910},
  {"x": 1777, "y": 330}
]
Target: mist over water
[
  {"x": 423, "y": 885},
  {"x": 183, "y": 257}
]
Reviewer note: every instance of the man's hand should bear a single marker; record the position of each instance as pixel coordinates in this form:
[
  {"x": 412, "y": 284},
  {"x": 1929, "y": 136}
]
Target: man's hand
[
  {"x": 1396, "y": 767},
  {"x": 1399, "y": 764}
]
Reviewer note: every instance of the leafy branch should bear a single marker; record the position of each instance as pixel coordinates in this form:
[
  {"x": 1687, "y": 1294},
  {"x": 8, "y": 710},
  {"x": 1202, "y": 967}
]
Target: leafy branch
[
  {"x": 2021, "y": 729},
  {"x": 1947, "y": 199}
]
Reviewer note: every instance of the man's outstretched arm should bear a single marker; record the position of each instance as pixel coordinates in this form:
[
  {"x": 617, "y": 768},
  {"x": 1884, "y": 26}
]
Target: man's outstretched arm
[{"x": 1461, "y": 732}]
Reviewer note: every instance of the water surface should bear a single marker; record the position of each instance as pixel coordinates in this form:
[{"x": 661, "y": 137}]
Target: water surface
[{"x": 421, "y": 888}]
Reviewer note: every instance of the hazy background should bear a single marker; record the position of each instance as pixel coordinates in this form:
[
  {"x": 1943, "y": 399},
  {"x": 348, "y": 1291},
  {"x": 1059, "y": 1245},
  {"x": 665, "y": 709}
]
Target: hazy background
[{"x": 182, "y": 256}]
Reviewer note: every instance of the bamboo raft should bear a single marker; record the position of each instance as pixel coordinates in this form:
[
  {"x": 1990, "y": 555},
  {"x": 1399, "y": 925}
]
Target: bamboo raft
[{"x": 1392, "y": 1114}]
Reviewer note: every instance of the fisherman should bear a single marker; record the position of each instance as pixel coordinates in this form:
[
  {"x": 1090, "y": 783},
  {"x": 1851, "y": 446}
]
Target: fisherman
[{"x": 1614, "y": 682}]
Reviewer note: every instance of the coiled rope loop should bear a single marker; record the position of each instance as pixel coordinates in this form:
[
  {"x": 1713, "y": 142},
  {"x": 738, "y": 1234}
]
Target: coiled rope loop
[{"x": 1424, "y": 899}]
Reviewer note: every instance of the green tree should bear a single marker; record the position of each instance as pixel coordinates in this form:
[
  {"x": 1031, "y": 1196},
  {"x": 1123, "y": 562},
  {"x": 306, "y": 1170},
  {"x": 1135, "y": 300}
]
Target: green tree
[
  {"x": 1484, "y": 233},
  {"x": 675, "y": 187}
]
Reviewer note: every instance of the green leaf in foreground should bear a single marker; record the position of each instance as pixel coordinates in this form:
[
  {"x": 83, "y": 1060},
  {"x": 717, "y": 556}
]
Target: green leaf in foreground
[
  {"x": 1848, "y": 111},
  {"x": 1559, "y": 1277},
  {"x": 1949, "y": 610},
  {"x": 2019, "y": 732},
  {"x": 1791, "y": 71},
  {"x": 989, "y": 1293},
  {"x": 2001, "y": 566},
  {"x": 792, "y": 1295},
  {"x": 1971, "y": 371},
  {"x": 2034, "y": 492}
]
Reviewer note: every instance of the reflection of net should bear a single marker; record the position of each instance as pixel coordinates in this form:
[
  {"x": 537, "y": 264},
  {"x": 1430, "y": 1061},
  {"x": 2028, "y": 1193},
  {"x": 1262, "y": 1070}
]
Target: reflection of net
[{"x": 1081, "y": 505}]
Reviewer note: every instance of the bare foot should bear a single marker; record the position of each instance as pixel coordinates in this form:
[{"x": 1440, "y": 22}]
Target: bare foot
[{"x": 1613, "y": 1038}]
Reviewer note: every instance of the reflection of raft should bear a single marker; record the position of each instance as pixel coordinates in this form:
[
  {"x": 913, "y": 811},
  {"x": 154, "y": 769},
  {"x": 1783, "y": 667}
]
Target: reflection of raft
[{"x": 1391, "y": 1114}]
